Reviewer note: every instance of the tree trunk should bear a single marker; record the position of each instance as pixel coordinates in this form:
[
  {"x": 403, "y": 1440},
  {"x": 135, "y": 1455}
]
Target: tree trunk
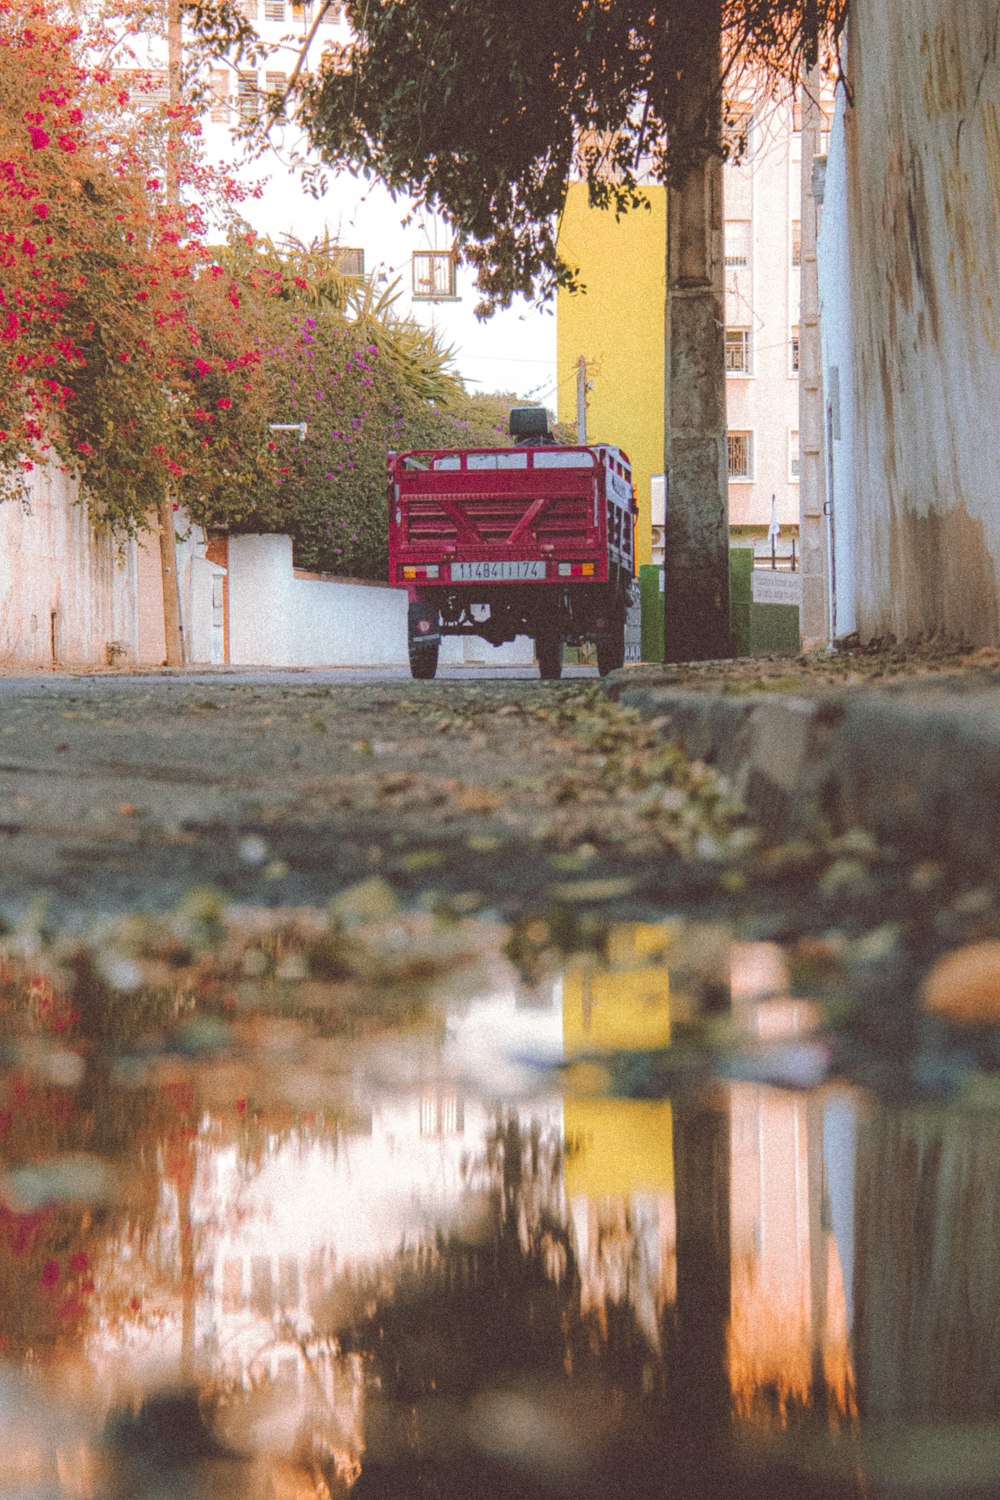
[
  {"x": 173, "y": 634},
  {"x": 696, "y": 565}
]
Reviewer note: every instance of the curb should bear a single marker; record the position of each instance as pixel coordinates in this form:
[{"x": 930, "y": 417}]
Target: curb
[{"x": 915, "y": 765}]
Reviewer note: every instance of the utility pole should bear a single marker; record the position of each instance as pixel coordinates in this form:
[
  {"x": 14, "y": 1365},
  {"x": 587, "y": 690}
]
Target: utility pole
[
  {"x": 173, "y": 634},
  {"x": 696, "y": 535},
  {"x": 581, "y": 401},
  {"x": 813, "y": 536}
]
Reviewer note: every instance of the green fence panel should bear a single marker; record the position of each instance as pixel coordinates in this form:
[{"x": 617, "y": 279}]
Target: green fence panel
[
  {"x": 651, "y": 605},
  {"x": 740, "y": 597},
  {"x": 774, "y": 630}
]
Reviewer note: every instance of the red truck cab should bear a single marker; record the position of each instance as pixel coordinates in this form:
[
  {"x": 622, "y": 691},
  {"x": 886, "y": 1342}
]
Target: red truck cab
[{"x": 535, "y": 539}]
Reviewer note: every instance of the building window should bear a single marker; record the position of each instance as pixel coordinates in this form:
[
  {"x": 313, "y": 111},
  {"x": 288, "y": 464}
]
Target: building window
[
  {"x": 739, "y": 351},
  {"x": 433, "y": 274},
  {"x": 737, "y": 131},
  {"x": 793, "y": 352},
  {"x": 740, "y": 446},
  {"x": 232, "y": 1286},
  {"x": 249, "y": 9},
  {"x": 737, "y": 242},
  {"x": 331, "y": 15},
  {"x": 442, "y": 1114},
  {"x": 289, "y": 1292},
  {"x": 146, "y": 86},
  {"x": 219, "y": 96},
  {"x": 793, "y": 457},
  {"x": 247, "y": 98},
  {"x": 348, "y": 259},
  {"x": 274, "y": 10},
  {"x": 796, "y": 243},
  {"x": 261, "y": 1285},
  {"x": 825, "y": 120},
  {"x": 276, "y": 83}
]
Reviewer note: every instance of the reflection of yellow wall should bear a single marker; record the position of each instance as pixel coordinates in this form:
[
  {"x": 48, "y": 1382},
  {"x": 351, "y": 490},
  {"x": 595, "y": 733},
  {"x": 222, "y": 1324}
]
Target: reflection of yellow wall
[
  {"x": 621, "y": 1008},
  {"x": 617, "y": 325},
  {"x": 618, "y": 1146}
]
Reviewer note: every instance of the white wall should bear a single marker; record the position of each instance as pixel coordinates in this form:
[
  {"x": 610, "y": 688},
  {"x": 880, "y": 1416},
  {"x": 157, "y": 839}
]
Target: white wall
[
  {"x": 280, "y": 619},
  {"x": 200, "y": 619},
  {"x": 833, "y": 254},
  {"x": 66, "y": 592}
]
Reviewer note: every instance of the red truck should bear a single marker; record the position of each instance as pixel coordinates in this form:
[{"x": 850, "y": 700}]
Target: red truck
[{"x": 537, "y": 539}]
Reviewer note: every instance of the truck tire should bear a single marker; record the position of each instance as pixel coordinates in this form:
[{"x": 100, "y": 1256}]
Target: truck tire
[
  {"x": 611, "y": 647},
  {"x": 549, "y": 650},
  {"x": 423, "y": 659}
]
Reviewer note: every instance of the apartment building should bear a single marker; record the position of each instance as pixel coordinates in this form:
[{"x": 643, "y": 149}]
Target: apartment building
[
  {"x": 391, "y": 240},
  {"x": 762, "y": 197}
]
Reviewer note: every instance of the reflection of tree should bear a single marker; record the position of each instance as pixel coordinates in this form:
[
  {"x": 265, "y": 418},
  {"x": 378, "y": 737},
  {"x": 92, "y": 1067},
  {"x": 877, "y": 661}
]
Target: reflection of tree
[
  {"x": 927, "y": 1274},
  {"x": 496, "y": 1308}
]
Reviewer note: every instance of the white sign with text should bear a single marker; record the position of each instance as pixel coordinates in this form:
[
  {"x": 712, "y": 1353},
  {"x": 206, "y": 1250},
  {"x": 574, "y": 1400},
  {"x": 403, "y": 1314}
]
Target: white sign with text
[{"x": 772, "y": 587}]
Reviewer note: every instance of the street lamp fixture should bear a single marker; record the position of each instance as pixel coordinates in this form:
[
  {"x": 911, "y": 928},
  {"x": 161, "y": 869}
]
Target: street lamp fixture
[{"x": 299, "y": 427}]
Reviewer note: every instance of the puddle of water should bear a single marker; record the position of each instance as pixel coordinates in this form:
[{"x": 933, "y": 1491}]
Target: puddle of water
[{"x": 292, "y": 1205}]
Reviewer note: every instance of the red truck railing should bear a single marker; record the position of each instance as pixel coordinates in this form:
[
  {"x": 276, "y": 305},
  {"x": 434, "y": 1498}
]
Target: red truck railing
[{"x": 552, "y": 504}]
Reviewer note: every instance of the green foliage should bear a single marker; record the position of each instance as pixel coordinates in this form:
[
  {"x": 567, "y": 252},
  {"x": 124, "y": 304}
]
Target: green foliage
[
  {"x": 335, "y": 356},
  {"x": 484, "y": 111}
]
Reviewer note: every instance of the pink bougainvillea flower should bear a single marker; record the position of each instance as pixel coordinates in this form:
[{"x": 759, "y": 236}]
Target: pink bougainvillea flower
[
  {"x": 50, "y": 1273},
  {"x": 202, "y": 367},
  {"x": 39, "y": 138},
  {"x": 42, "y": 210},
  {"x": 67, "y": 143},
  {"x": 84, "y": 448},
  {"x": 225, "y": 402}
]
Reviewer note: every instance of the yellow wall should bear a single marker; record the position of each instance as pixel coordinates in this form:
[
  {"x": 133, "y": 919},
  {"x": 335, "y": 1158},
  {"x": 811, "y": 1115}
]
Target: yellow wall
[{"x": 617, "y": 325}]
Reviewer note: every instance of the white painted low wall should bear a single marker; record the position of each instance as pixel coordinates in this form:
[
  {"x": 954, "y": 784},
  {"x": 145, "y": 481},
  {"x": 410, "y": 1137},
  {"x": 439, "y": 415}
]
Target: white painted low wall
[
  {"x": 68, "y": 596},
  {"x": 280, "y": 619}
]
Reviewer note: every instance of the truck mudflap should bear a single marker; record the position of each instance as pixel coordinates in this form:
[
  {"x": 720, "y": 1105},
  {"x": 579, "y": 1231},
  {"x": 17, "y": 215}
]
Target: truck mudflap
[{"x": 422, "y": 623}]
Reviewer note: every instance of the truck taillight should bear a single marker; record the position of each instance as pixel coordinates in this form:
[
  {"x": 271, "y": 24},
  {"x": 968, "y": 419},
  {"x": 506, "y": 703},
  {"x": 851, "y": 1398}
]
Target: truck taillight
[
  {"x": 576, "y": 570},
  {"x": 412, "y": 574}
]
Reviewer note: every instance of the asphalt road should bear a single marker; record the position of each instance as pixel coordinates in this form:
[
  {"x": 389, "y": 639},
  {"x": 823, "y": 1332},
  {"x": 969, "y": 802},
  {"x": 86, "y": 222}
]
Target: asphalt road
[{"x": 121, "y": 792}]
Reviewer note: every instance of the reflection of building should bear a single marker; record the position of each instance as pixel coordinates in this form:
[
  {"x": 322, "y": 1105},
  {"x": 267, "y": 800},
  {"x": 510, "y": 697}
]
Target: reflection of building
[
  {"x": 619, "y": 1170},
  {"x": 788, "y": 1335}
]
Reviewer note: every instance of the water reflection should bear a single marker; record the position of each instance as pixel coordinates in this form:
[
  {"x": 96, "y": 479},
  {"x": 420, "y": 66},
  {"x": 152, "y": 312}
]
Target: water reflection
[{"x": 253, "y": 1238}]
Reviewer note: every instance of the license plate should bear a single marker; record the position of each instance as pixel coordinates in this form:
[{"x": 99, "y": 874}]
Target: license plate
[{"x": 496, "y": 572}]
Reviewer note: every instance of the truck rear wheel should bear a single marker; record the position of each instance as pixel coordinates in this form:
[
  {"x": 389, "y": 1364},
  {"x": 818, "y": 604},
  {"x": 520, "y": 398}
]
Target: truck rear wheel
[
  {"x": 423, "y": 659},
  {"x": 611, "y": 647},
  {"x": 549, "y": 650}
]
